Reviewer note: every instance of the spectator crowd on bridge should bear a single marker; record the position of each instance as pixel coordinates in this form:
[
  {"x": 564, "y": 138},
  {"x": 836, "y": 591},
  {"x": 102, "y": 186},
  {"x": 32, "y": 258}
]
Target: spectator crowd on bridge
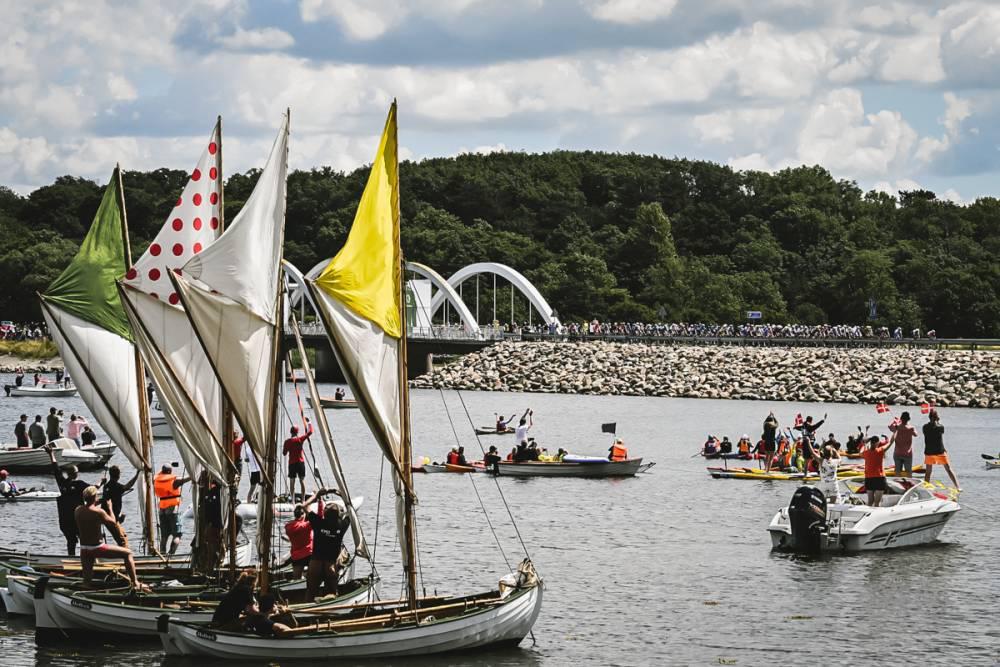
[
  {"x": 701, "y": 330},
  {"x": 23, "y": 330}
]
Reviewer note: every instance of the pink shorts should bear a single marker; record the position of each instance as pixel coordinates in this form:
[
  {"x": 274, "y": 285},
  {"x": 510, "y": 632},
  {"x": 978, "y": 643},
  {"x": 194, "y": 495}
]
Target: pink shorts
[{"x": 94, "y": 551}]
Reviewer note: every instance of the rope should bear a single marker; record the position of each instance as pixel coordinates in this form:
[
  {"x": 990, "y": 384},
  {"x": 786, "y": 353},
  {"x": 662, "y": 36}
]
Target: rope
[
  {"x": 474, "y": 487},
  {"x": 496, "y": 481}
]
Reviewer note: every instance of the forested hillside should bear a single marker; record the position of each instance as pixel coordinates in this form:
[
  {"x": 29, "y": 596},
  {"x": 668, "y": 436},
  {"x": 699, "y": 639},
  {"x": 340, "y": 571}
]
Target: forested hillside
[{"x": 617, "y": 237}]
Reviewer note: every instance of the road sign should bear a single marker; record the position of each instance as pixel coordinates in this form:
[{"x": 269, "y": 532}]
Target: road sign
[{"x": 754, "y": 315}]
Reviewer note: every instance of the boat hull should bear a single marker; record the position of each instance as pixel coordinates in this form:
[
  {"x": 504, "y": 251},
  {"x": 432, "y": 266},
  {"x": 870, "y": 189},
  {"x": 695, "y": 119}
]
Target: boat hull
[
  {"x": 19, "y": 595},
  {"x": 333, "y": 404},
  {"x": 507, "y": 623},
  {"x": 625, "y": 468},
  {"x": 43, "y": 392}
]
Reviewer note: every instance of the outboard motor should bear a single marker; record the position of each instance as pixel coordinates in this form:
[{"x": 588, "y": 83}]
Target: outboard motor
[{"x": 807, "y": 516}]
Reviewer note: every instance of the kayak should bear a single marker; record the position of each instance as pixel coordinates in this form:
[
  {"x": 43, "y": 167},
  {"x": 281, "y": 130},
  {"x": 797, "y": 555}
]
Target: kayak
[
  {"x": 477, "y": 466},
  {"x": 735, "y": 455},
  {"x": 781, "y": 475},
  {"x": 993, "y": 465},
  {"x": 492, "y": 430},
  {"x": 30, "y": 496}
]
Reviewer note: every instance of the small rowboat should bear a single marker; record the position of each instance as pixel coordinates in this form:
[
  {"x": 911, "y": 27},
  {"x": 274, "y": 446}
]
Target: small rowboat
[
  {"x": 492, "y": 430},
  {"x": 576, "y": 466},
  {"x": 30, "y": 496},
  {"x": 333, "y": 403},
  {"x": 477, "y": 466},
  {"x": 43, "y": 392}
]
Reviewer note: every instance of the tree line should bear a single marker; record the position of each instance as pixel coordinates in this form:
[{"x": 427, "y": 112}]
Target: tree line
[{"x": 619, "y": 237}]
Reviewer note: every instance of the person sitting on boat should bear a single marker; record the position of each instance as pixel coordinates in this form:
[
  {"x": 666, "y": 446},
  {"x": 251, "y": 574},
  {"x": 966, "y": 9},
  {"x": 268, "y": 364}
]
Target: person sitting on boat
[
  {"x": 8, "y": 489},
  {"x": 874, "y": 455},
  {"x": 617, "y": 451},
  {"x": 296, "y": 459},
  {"x": 167, "y": 487},
  {"x": 711, "y": 447},
  {"x": 339, "y": 394},
  {"x": 829, "y": 462},
  {"x": 534, "y": 451},
  {"x": 460, "y": 460},
  {"x": 112, "y": 491},
  {"x": 726, "y": 446},
  {"x": 503, "y": 425},
  {"x": 21, "y": 432},
  {"x": 90, "y": 518},
  {"x": 512, "y": 456},
  {"x": 75, "y": 427},
  {"x": 329, "y": 526},
  {"x": 265, "y": 618},
  {"x": 521, "y": 453},
  {"x": 237, "y": 600},
  {"x": 452, "y": 458},
  {"x": 521, "y": 432},
  {"x": 491, "y": 459},
  {"x": 70, "y": 497},
  {"x": 561, "y": 454},
  {"x": 743, "y": 447},
  {"x": 87, "y": 436},
  {"x": 831, "y": 441},
  {"x": 36, "y": 432}
]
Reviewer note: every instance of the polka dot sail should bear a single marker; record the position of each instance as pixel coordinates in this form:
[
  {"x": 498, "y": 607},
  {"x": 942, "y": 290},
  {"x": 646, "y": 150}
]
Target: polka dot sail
[{"x": 192, "y": 226}]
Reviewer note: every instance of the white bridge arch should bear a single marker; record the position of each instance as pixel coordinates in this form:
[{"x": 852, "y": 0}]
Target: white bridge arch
[{"x": 299, "y": 296}]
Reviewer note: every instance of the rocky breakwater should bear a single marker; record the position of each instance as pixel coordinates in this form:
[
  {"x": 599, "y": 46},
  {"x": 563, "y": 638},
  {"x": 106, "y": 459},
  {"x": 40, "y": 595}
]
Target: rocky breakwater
[{"x": 948, "y": 378}]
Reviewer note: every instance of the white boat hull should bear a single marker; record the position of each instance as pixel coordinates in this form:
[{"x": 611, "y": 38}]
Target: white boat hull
[
  {"x": 626, "y": 468},
  {"x": 18, "y": 597},
  {"x": 43, "y": 392},
  {"x": 31, "y": 496},
  {"x": 507, "y": 623}
]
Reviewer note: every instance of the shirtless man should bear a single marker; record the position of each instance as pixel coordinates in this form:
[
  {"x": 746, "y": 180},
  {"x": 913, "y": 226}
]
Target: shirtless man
[{"x": 90, "y": 519}]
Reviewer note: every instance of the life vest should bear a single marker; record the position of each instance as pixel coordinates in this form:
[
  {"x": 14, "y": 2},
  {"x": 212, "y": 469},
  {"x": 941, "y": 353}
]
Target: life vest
[
  {"x": 744, "y": 446},
  {"x": 163, "y": 486},
  {"x": 618, "y": 452},
  {"x": 452, "y": 458}
]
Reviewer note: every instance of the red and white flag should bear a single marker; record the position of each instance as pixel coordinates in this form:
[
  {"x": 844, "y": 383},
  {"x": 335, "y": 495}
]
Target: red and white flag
[
  {"x": 798, "y": 419},
  {"x": 881, "y": 408},
  {"x": 925, "y": 408}
]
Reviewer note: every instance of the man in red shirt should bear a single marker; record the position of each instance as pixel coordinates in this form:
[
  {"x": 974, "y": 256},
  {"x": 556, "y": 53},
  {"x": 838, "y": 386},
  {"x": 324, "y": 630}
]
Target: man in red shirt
[
  {"x": 300, "y": 535},
  {"x": 296, "y": 459},
  {"x": 874, "y": 455}
]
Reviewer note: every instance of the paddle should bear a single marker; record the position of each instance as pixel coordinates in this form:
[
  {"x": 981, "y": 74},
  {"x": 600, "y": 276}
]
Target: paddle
[{"x": 988, "y": 457}]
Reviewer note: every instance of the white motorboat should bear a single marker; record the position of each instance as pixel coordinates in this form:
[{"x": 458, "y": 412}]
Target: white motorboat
[
  {"x": 34, "y": 460},
  {"x": 42, "y": 391},
  {"x": 283, "y": 510},
  {"x": 576, "y": 467},
  {"x": 30, "y": 496},
  {"x": 912, "y": 512}
]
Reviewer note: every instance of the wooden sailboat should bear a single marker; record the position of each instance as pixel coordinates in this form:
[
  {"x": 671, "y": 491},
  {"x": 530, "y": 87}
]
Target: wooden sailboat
[{"x": 360, "y": 299}]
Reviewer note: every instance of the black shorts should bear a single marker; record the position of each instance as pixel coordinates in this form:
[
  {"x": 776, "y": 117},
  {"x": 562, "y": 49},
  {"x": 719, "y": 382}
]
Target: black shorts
[
  {"x": 304, "y": 561},
  {"x": 255, "y": 477},
  {"x": 297, "y": 470},
  {"x": 875, "y": 484}
]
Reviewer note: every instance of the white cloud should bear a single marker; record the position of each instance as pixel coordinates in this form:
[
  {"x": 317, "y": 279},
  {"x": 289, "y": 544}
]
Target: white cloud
[
  {"x": 631, "y": 12},
  {"x": 365, "y": 20},
  {"x": 120, "y": 88},
  {"x": 263, "y": 39},
  {"x": 726, "y": 126}
]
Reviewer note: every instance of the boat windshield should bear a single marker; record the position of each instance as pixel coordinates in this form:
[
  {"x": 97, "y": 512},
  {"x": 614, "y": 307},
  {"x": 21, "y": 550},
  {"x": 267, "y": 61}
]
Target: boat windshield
[{"x": 915, "y": 495}]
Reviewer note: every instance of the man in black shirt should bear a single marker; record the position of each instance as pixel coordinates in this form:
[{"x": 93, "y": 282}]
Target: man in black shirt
[
  {"x": 113, "y": 490},
  {"x": 21, "y": 432},
  {"x": 70, "y": 497},
  {"x": 934, "y": 451},
  {"x": 329, "y": 526},
  {"x": 491, "y": 459}
]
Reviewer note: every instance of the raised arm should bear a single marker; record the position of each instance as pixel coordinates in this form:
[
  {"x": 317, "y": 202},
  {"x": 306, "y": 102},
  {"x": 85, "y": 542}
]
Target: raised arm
[{"x": 131, "y": 482}]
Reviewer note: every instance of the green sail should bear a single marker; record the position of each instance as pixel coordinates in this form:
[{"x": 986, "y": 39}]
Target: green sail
[{"x": 87, "y": 287}]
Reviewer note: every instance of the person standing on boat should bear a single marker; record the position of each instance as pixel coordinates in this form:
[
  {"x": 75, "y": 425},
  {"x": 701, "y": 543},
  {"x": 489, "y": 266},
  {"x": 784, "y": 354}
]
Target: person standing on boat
[
  {"x": 300, "y": 535},
  {"x": 89, "y": 518},
  {"x": 874, "y": 455},
  {"x": 37, "y": 433},
  {"x": 21, "y": 432},
  {"x": 808, "y": 429},
  {"x": 75, "y": 427},
  {"x": 19, "y": 377},
  {"x": 112, "y": 491},
  {"x": 167, "y": 487},
  {"x": 902, "y": 453},
  {"x": 70, "y": 497},
  {"x": 253, "y": 467},
  {"x": 934, "y": 451},
  {"x": 87, "y": 436},
  {"x": 328, "y": 527},
  {"x": 829, "y": 463},
  {"x": 296, "y": 459},
  {"x": 236, "y": 453},
  {"x": 769, "y": 436},
  {"x": 53, "y": 425},
  {"x": 523, "y": 426}
]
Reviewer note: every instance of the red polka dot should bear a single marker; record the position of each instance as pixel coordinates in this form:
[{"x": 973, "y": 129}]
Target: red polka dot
[
  {"x": 212, "y": 148},
  {"x": 215, "y": 223},
  {"x": 180, "y": 200},
  {"x": 132, "y": 273},
  {"x": 178, "y": 249},
  {"x": 178, "y": 224},
  {"x": 154, "y": 295},
  {"x": 214, "y": 198},
  {"x": 155, "y": 250},
  {"x": 213, "y": 173},
  {"x": 196, "y": 223},
  {"x": 197, "y": 200},
  {"x": 174, "y": 298},
  {"x": 196, "y": 175},
  {"x": 154, "y": 274},
  {"x": 197, "y": 248}
]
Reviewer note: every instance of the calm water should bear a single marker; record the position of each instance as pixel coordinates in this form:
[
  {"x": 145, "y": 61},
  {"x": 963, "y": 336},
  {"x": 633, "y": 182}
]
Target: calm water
[{"x": 670, "y": 567}]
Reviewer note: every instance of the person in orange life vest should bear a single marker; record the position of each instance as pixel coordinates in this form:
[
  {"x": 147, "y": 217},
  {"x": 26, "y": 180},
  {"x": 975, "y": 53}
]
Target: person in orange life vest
[
  {"x": 167, "y": 487},
  {"x": 617, "y": 451},
  {"x": 743, "y": 447},
  {"x": 513, "y": 452},
  {"x": 300, "y": 535},
  {"x": 874, "y": 455},
  {"x": 296, "y": 459},
  {"x": 452, "y": 458}
]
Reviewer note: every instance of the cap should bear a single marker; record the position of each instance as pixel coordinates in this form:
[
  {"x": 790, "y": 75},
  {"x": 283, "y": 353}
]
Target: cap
[{"x": 3, "y": 474}]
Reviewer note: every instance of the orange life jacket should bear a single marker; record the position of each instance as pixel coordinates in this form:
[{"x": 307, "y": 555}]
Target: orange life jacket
[
  {"x": 743, "y": 446},
  {"x": 618, "y": 452},
  {"x": 163, "y": 486},
  {"x": 452, "y": 458}
]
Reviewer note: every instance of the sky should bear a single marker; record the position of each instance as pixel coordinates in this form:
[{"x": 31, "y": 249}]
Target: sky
[{"x": 894, "y": 95}]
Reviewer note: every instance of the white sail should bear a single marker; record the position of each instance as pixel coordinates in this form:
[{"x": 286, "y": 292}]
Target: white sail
[{"x": 186, "y": 385}]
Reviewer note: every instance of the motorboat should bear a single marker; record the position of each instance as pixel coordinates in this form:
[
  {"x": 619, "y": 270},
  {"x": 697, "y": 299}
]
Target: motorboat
[
  {"x": 333, "y": 403},
  {"x": 29, "y": 496},
  {"x": 573, "y": 466},
  {"x": 911, "y": 512},
  {"x": 36, "y": 460},
  {"x": 42, "y": 391},
  {"x": 282, "y": 508}
]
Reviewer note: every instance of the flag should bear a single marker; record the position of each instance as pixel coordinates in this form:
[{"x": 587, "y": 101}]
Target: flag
[
  {"x": 925, "y": 408},
  {"x": 895, "y": 422},
  {"x": 881, "y": 408},
  {"x": 798, "y": 419},
  {"x": 609, "y": 428}
]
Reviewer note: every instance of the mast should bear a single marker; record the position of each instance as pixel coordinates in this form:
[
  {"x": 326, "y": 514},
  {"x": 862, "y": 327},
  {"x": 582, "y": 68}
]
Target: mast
[
  {"x": 145, "y": 430},
  {"x": 405, "y": 445}
]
